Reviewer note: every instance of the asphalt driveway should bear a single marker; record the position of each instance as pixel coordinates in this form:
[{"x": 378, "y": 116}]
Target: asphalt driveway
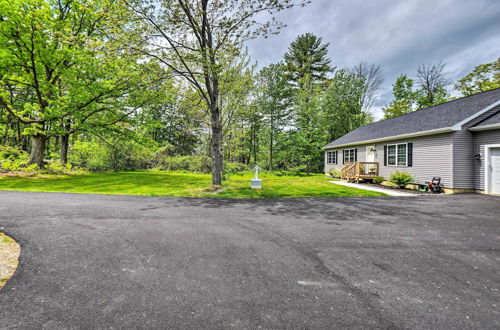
[{"x": 95, "y": 261}]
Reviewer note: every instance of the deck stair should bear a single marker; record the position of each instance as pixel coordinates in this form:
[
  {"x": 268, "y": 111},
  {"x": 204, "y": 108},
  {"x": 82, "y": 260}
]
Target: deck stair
[{"x": 356, "y": 171}]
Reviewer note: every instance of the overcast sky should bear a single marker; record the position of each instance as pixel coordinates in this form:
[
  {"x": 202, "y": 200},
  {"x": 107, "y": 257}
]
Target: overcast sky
[{"x": 398, "y": 35}]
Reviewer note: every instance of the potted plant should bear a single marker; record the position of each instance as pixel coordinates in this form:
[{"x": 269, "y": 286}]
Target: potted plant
[{"x": 372, "y": 170}]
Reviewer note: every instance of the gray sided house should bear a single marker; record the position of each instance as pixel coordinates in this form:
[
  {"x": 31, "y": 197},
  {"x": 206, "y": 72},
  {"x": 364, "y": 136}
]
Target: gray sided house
[{"x": 458, "y": 141}]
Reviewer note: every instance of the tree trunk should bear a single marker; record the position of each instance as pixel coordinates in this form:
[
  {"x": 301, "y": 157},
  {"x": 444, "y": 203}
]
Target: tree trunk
[
  {"x": 37, "y": 149},
  {"x": 6, "y": 135},
  {"x": 64, "y": 143},
  {"x": 217, "y": 163},
  {"x": 63, "y": 153},
  {"x": 271, "y": 140}
]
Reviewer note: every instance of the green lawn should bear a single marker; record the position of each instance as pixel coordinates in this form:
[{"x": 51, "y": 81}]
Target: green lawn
[{"x": 156, "y": 183}]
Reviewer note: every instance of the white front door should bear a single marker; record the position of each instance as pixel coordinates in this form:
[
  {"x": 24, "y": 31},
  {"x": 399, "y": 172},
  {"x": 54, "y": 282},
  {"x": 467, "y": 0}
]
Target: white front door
[
  {"x": 370, "y": 154},
  {"x": 495, "y": 170}
]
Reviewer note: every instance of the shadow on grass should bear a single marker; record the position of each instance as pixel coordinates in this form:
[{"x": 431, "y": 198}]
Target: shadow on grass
[
  {"x": 142, "y": 183},
  {"x": 180, "y": 184}
]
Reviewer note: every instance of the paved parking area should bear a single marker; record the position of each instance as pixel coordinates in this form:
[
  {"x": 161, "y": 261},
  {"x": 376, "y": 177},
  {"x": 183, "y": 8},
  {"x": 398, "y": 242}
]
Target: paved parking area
[{"x": 96, "y": 261}]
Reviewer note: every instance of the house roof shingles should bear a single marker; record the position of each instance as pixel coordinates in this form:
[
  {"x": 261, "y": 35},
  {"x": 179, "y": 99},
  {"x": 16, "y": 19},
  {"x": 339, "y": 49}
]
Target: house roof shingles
[
  {"x": 492, "y": 120},
  {"x": 437, "y": 117}
]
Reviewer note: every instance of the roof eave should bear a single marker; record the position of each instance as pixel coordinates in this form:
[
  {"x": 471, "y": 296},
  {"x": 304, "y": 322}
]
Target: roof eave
[
  {"x": 394, "y": 137},
  {"x": 458, "y": 126},
  {"x": 485, "y": 127}
]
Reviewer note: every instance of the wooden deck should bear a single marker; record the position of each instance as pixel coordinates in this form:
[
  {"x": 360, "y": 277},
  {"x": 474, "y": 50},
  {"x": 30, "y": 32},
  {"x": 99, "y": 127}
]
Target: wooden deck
[{"x": 356, "y": 171}]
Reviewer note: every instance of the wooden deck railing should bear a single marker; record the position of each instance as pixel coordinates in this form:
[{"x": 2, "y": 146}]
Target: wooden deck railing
[{"x": 354, "y": 171}]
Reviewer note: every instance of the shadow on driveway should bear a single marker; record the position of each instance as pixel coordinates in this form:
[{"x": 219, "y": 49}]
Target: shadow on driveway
[{"x": 99, "y": 261}]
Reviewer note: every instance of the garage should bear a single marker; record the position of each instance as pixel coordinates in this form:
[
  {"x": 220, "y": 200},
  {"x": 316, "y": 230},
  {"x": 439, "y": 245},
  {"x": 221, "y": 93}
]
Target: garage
[{"x": 493, "y": 170}]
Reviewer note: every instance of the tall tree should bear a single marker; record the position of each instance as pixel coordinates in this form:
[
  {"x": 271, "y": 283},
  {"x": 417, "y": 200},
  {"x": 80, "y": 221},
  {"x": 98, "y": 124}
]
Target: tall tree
[
  {"x": 342, "y": 106},
  {"x": 58, "y": 74},
  {"x": 308, "y": 127},
  {"x": 307, "y": 60},
  {"x": 307, "y": 67},
  {"x": 432, "y": 85},
  {"x": 405, "y": 97},
  {"x": 373, "y": 78},
  {"x": 173, "y": 118},
  {"x": 483, "y": 78},
  {"x": 274, "y": 100},
  {"x": 195, "y": 39}
]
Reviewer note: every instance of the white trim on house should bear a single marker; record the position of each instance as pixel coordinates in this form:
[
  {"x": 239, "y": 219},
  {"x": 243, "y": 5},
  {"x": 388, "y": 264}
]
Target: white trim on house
[
  {"x": 396, "y": 155},
  {"x": 487, "y": 155},
  {"x": 349, "y": 154},
  {"x": 394, "y": 137},
  {"x": 485, "y": 127},
  {"x": 458, "y": 126},
  {"x": 334, "y": 157}
]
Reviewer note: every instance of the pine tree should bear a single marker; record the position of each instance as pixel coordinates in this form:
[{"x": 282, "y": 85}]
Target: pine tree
[{"x": 307, "y": 56}]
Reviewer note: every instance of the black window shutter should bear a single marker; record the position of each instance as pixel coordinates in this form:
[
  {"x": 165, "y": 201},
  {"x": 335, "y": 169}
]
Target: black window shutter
[
  {"x": 336, "y": 156},
  {"x": 356, "y": 155},
  {"x": 410, "y": 154},
  {"x": 342, "y": 156},
  {"x": 385, "y": 155}
]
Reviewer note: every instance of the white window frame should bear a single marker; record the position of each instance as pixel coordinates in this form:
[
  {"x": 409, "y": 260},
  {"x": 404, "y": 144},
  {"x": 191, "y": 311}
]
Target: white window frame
[
  {"x": 353, "y": 155},
  {"x": 334, "y": 159},
  {"x": 396, "y": 145}
]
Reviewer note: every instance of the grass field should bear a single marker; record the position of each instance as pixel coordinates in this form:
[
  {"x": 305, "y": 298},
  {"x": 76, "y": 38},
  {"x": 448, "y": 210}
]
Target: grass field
[{"x": 156, "y": 183}]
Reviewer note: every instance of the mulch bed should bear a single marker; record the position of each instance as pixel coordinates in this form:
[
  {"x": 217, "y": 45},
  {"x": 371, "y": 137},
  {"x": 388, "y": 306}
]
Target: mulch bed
[
  {"x": 410, "y": 191},
  {"x": 9, "y": 258}
]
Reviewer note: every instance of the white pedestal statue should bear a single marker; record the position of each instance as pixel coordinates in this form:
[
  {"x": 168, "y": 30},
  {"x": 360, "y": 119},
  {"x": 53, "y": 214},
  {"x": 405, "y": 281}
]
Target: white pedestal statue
[{"x": 256, "y": 183}]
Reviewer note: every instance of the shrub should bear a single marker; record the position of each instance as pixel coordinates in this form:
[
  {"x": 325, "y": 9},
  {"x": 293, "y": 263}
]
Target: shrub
[
  {"x": 56, "y": 167},
  {"x": 401, "y": 178},
  {"x": 89, "y": 155},
  {"x": 10, "y": 153},
  {"x": 12, "y": 159},
  {"x": 334, "y": 172},
  {"x": 120, "y": 156},
  {"x": 184, "y": 163},
  {"x": 378, "y": 179},
  {"x": 230, "y": 167}
]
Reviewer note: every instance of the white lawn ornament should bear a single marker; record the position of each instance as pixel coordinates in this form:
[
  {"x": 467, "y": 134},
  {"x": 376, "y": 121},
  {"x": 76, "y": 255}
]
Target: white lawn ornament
[{"x": 256, "y": 183}]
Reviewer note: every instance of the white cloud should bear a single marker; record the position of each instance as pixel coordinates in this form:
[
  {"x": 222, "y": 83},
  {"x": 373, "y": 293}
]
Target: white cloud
[{"x": 398, "y": 35}]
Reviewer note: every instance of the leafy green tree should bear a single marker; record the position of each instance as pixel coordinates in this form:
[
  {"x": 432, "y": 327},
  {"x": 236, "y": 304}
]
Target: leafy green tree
[
  {"x": 307, "y": 60},
  {"x": 172, "y": 118},
  {"x": 405, "y": 97},
  {"x": 241, "y": 122},
  {"x": 483, "y": 78},
  {"x": 308, "y": 133},
  {"x": 307, "y": 66},
  {"x": 273, "y": 98},
  {"x": 197, "y": 39},
  {"x": 58, "y": 73},
  {"x": 342, "y": 106}
]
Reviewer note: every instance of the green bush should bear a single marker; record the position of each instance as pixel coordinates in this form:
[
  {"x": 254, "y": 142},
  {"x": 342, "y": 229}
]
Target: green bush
[
  {"x": 401, "y": 178},
  {"x": 184, "y": 163},
  {"x": 56, "y": 167},
  {"x": 231, "y": 167},
  {"x": 89, "y": 155},
  {"x": 10, "y": 153},
  {"x": 12, "y": 159},
  {"x": 378, "y": 179},
  {"x": 121, "y": 155},
  {"x": 334, "y": 172}
]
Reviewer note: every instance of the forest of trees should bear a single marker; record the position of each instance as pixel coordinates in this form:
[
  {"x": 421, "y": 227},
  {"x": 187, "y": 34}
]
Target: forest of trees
[{"x": 108, "y": 85}]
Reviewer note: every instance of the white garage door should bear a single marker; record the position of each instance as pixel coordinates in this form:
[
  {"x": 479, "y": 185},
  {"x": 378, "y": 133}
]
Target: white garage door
[{"x": 495, "y": 171}]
